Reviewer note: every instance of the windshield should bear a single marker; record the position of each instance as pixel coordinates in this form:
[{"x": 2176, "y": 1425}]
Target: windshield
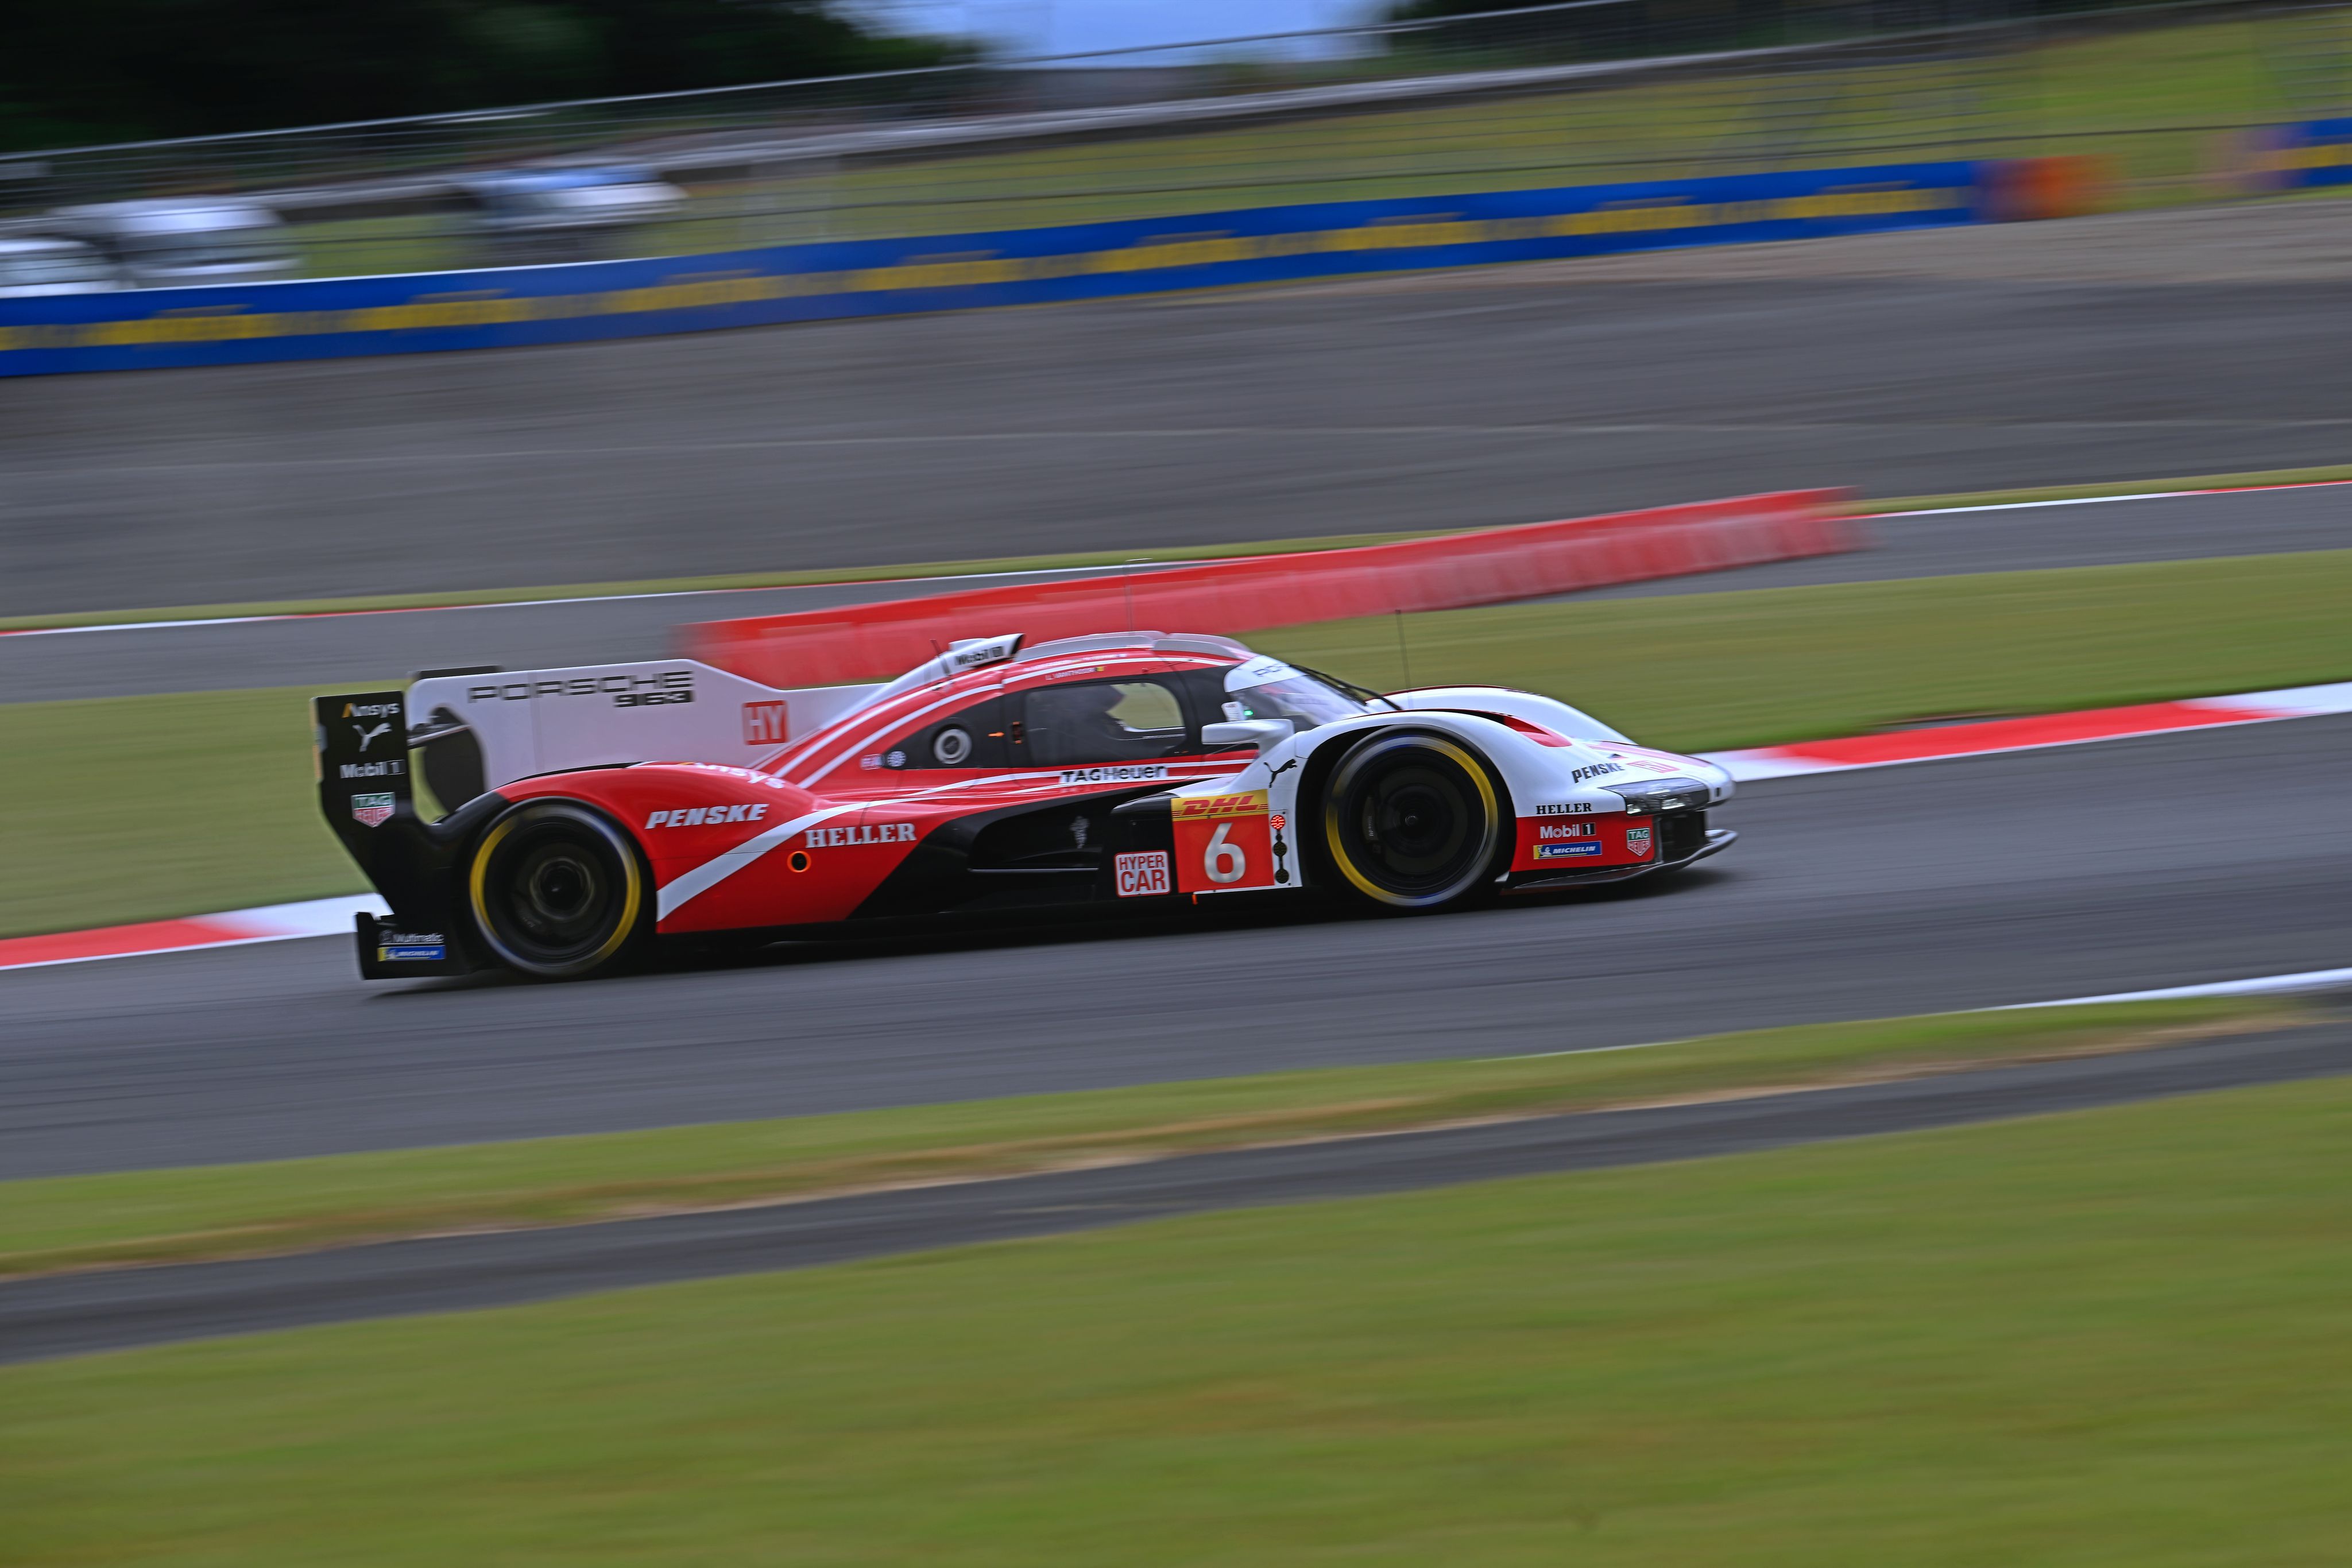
[{"x": 1268, "y": 688}]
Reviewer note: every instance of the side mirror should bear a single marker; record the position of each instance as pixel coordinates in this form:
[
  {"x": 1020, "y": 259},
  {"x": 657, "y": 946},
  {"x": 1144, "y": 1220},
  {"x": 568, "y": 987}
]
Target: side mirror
[{"x": 1262, "y": 733}]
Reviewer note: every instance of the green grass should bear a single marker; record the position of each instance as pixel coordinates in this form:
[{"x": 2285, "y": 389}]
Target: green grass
[
  {"x": 138, "y": 808},
  {"x": 167, "y": 1216},
  {"x": 1707, "y": 672},
  {"x": 125, "y": 809},
  {"x": 2106, "y": 1338}
]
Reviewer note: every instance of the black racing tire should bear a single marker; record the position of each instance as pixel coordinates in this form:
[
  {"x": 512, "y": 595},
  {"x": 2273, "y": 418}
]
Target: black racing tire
[
  {"x": 557, "y": 892},
  {"x": 1414, "y": 821}
]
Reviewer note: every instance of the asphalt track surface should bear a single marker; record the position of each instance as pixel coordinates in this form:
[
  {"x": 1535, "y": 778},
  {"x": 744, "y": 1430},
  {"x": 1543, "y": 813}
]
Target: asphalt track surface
[
  {"x": 359, "y": 649},
  {"x": 2121, "y": 866},
  {"x": 1451, "y": 401},
  {"x": 82, "y": 1313}
]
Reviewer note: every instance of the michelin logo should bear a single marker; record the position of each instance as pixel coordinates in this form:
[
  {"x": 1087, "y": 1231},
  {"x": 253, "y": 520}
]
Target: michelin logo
[{"x": 410, "y": 948}]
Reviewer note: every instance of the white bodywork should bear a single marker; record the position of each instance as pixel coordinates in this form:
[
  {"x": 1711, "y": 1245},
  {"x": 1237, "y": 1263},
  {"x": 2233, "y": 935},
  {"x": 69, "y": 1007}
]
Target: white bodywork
[
  {"x": 529, "y": 722},
  {"x": 1539, "y": 776}
]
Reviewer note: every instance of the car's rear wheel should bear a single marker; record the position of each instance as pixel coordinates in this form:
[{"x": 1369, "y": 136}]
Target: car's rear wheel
[
  {"x": 557, "y": 891},
  {"x": 1414, "y": 821}
]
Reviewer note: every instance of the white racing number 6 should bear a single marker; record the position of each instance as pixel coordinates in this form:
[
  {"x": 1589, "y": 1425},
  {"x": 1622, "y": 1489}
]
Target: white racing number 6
[{"x": 1224, "y": 863}]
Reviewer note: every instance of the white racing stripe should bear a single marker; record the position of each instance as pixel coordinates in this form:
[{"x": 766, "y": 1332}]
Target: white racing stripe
[
  {"x": 2255, "y": 986},
  {"x": 717, "y": 869}
]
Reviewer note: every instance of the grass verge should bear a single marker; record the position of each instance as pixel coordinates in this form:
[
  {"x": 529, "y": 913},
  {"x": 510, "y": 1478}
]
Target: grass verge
[
  {"x": 2102, "y": 1338},
  {"x": 1762, "y": 667},
  {"x": 122, "y": 808},
  {"x": 748, "y": 580},
  {"x": 94, "y": 836},
  {"x": 177, "y": 1216}
]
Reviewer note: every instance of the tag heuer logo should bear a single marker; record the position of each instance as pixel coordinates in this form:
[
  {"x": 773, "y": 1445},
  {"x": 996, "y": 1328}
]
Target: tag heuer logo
[{"x": 372, "y": 811}]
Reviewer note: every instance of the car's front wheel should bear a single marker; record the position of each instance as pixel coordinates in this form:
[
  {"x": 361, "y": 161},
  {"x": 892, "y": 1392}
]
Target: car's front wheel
[
  {"x": 1414, "y": 821},
  {"x": 557, "y": 891}
]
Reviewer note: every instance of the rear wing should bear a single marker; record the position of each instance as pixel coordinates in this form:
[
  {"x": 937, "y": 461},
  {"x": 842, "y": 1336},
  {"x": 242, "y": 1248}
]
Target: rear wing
[
  {"x": 473, "y": 730},
  {"x": 461, "y": 734}
]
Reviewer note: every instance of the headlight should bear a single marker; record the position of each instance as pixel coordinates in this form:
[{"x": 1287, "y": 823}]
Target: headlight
[{"x": 1663, "y": 795}]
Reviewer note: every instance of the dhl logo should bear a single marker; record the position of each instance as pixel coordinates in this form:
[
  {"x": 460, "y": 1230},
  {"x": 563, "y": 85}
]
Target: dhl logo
[{"x": 1192, "y": 808}]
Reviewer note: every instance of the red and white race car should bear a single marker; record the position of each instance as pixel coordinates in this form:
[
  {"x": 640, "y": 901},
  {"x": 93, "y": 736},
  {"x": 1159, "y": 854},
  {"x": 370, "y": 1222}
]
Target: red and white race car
[{"x": 570, "y": 817}]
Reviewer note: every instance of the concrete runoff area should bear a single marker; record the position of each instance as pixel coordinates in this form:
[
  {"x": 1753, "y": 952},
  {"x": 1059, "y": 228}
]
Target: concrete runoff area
[
  {"x": 2017, "y": 878},
  {"x": 1456, "y": 399},
  {"x": 82, "y": 1313},
  {"x": 341, "y": 649}
]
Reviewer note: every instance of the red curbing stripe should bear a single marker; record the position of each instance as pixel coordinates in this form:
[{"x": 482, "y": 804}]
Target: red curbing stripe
[
  {"x": 117, "y": 942},
  {"x": 2016, "y": 734}
]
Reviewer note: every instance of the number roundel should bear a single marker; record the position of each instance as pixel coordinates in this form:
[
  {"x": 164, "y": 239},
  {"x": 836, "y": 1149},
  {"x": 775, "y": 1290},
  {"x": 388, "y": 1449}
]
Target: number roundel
[
  {"x": 1414, "y": 820},
  {"x": 1224, "y": 862},
  {"x": 951, "y": 746}
]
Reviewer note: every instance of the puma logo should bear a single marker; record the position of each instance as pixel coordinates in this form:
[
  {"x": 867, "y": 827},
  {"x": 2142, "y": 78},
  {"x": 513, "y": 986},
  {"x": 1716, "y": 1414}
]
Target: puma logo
[{"x": 367, "y": 737}]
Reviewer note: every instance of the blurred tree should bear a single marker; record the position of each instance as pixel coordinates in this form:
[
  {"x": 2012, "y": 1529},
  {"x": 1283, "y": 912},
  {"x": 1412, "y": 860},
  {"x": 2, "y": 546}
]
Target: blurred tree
[{"x": 90, "y": 70}]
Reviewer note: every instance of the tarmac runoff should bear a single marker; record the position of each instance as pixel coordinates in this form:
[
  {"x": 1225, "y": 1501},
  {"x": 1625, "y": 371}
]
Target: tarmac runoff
[
  {"x": 1984, "y": 880},
  {"x": 333, "y": 916},
  {"x": 341, "y": 649},
  {"x": 1444, "y": 400},
  {"x": 85, "y": 1313}
]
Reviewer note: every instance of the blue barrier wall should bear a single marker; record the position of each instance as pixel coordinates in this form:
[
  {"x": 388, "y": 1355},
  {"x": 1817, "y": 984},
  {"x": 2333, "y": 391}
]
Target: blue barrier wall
[
  {"x": 2315, "y": 153},
  {"x": 423, "y": 312}
]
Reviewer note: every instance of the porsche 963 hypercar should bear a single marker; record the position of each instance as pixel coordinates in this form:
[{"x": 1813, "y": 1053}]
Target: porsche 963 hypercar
[{"x": 555, "y": 822}]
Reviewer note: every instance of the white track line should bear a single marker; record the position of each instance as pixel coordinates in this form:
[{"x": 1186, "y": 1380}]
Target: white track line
[
  {"x": 1073, "y": 572},
  {"x": 1051, "y": 571},
  {"x": 2255, "y": 986},
  {"x": 2098, "y": 500}
]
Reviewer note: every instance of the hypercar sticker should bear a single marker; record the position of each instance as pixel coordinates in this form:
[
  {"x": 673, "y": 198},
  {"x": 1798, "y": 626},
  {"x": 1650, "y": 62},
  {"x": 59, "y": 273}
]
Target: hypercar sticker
[{"x": 1141, "y": 876}]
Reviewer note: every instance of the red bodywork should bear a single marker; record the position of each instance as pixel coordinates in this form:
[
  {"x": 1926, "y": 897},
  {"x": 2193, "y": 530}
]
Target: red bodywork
[{"x": 810, "y": 835}]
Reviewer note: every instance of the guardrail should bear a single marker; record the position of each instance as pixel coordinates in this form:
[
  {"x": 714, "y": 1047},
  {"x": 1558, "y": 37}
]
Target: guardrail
[
  {"x": 1491, "y": 566},
  {"x": 574, "y": 301}
]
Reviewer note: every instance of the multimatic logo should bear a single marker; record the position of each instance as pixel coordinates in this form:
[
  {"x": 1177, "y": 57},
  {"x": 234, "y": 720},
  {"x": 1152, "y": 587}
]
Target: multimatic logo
[
  {"x": 657, "y": 689},
  {"x": 410, "y": 948}
]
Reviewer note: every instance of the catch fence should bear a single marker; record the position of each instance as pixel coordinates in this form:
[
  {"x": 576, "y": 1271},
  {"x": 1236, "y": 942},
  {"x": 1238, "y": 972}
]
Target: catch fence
[{"x": 1581, "y": 93}]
